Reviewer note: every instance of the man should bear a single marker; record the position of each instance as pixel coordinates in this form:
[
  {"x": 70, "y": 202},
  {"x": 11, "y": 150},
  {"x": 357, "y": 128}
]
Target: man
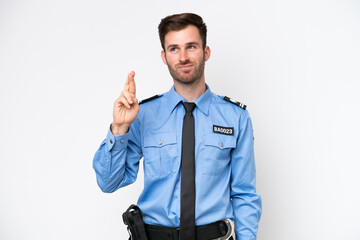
[{"x": 198, "y": 177}]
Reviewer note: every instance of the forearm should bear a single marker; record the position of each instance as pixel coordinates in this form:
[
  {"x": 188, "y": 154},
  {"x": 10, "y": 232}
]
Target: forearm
[
  {"x": 116, "y": 162},
  {"x": 247, "y": 211}
]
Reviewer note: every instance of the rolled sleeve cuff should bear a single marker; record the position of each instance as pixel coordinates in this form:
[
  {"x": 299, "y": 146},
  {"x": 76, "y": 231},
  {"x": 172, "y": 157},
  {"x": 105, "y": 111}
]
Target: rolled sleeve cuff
[{"x": 116, "y": 142}]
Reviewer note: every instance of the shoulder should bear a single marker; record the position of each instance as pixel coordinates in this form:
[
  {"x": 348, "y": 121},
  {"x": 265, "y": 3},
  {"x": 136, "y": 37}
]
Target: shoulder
[
  {"x": 228, "y": 111},
  {"x": 237, "y": 103},
  {"x": 150, "y": 99},
  {"x": 149, "y": 107},
  {"x": 228, "y": 108},
  {"x": 229, "y": 101},
  {"x": 151, "y": 103},
  {"x": 231, "y": 109}
]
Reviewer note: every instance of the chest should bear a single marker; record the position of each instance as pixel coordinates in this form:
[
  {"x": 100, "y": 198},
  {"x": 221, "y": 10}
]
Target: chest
[{"x": 215, "y": 137}]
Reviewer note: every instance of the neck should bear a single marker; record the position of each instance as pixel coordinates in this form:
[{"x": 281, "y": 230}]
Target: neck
[{"x": 192, "y": 91}]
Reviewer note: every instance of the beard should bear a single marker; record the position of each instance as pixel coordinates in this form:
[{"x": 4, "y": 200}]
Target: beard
[{"x": 187, "y": 77}]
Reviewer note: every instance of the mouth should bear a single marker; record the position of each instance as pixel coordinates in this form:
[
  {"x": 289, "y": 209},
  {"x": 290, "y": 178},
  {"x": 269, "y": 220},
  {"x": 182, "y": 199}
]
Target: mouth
[{"x": 185, "y": 67}]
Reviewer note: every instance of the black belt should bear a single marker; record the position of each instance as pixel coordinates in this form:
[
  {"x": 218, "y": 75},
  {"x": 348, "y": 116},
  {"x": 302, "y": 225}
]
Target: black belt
[{"x": 204, "y": 232}]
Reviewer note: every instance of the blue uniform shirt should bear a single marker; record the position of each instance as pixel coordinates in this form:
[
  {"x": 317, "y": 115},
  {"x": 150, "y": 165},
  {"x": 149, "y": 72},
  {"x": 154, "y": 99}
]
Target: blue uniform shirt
[{"x": 224, "y": 162}]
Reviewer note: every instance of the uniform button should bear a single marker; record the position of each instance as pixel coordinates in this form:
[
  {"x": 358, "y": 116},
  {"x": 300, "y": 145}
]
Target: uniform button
[
  {"x": 160, "y": 142},
  {"x": 221, "y": 144},
  {"x": 111, "y": 141},
  {"x": 122, "y": 141}
]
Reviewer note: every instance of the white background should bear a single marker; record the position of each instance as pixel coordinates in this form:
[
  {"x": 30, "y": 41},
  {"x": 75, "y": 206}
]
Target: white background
[{"x": 296, "y": 64}]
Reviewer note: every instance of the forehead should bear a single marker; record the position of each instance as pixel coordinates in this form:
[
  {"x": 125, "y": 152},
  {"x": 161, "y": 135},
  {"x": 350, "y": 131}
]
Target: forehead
[{"x": 183, "y": 36}]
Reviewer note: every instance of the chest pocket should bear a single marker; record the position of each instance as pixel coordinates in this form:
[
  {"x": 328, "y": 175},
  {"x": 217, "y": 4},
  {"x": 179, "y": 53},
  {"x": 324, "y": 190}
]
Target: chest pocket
[
  {"x": 160, "y": 154},
  {"x": 217, "y": 150}
]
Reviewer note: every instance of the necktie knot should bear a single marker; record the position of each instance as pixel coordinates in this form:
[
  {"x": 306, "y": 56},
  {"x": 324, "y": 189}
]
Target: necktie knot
[{"x": 189, "y": 106}]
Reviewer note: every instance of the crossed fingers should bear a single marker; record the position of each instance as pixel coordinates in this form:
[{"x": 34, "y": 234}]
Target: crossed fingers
[{"x": 128, "y": 95}]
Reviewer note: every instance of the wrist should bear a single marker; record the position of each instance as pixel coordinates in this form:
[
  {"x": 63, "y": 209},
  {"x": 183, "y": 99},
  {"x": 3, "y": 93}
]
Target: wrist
[{"x": 119, "y": 129}]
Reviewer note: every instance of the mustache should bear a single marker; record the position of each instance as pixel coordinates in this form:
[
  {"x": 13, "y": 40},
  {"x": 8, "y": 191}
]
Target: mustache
[{"x": 184, "y": 63}]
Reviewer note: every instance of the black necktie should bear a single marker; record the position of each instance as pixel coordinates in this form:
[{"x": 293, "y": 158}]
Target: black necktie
[{"x": 187, "y": 204}]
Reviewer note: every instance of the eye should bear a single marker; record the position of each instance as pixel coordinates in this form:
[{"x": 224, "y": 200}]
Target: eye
[
  {"x": 191, "y": 47},
  {"x": 173, "y": 49}
]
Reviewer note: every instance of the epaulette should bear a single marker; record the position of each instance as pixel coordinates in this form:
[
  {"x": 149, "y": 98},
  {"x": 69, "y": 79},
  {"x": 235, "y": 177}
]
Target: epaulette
[
  {"x": 243, "y": 106},
  {"x": 149, "y": 99}
]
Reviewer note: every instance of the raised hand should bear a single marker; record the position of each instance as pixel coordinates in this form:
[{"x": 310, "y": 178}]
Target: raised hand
[{"x": 126, "y": 107}]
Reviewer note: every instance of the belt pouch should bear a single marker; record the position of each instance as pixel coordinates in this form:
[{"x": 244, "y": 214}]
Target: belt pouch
[{"x": 135, "y": 225}]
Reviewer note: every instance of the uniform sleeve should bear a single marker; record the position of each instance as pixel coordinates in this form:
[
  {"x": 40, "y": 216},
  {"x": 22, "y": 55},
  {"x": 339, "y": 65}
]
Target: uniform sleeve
[
  {"x": 116, "y": 162},
  {"x": 246, "y": 202}
]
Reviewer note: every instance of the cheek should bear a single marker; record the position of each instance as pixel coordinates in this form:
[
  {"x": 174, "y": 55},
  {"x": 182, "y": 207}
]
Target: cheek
[
  {"x": 201, "y": 56},
  {"x": 196, "y": 57},
  {"x": 171, "y": 60}
]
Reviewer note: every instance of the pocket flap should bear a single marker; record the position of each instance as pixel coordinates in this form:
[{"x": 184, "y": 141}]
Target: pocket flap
[
  {"x": 159, "y": 139},
  {"x": 220, "y": 141}
]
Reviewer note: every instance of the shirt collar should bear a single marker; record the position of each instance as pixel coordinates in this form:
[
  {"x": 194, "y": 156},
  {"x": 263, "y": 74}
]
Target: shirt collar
[
  {"x": 172, "y": 99},
  {"x": 203, "y": 102}
]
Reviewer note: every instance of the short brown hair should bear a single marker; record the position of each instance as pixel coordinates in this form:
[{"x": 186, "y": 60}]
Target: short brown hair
[{"x": 178, "y": 22}]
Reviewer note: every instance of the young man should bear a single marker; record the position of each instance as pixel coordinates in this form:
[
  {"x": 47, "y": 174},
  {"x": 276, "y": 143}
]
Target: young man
[{"x": 197, "y": 147}]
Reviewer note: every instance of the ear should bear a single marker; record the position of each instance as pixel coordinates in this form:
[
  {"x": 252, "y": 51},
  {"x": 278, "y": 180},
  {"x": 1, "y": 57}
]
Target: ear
[
  {"x": 163, "y": 57},
  {"x": 207, "y": 53}
]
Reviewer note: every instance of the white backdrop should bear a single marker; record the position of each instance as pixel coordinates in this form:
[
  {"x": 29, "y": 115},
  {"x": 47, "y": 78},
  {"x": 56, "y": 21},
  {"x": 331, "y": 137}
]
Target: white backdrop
[{"x": 296, "y": 64}]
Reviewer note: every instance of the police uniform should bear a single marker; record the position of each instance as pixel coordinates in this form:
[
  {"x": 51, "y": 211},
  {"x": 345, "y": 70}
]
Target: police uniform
[{"x": 224, "y": 161}]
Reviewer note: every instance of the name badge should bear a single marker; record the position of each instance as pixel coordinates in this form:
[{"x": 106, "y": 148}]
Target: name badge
[{"x": 223, "y": 130}]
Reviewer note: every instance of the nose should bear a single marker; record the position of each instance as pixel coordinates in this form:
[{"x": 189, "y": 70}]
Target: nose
[{"x": 183, "y": 56}]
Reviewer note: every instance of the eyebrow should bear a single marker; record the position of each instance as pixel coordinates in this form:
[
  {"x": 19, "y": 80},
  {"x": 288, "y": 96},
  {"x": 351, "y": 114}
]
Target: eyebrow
[
  {"x": 187, "y": 44},
  {"x": 172, "y": 46},
  {"x": 192, "y": 43}
]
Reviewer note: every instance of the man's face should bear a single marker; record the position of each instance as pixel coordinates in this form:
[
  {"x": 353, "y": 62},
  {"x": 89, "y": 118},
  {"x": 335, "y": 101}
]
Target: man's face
[{"x": 184, "y": 55}]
